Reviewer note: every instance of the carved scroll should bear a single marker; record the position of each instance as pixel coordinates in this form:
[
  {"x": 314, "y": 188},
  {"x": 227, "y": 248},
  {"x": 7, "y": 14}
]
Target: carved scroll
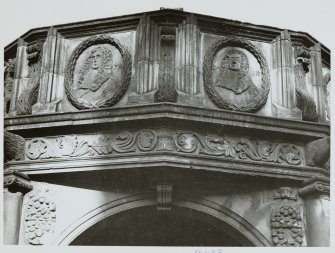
[
  {"x": 286, "y": 220},
  {"x": 40, "y": 217},
  {"x": 98, "y": 73},
  {"x": 175, "y": 141},
  {"x": 229, "y": 83}
]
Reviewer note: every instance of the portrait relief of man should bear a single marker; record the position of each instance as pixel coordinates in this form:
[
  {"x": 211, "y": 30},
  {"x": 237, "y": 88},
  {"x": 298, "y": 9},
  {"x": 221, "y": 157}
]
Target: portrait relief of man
[
  {"x": 234, "y": 74},
  {"x": 96, "y": 78}
]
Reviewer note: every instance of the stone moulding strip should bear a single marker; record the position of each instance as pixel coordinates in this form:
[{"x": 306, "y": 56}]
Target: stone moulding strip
[
  {"x": 166, "y": 159},
  {"x": 167, "y": 110}
]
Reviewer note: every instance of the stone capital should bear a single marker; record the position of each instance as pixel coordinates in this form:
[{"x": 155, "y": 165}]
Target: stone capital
[
  {"x": 317, "y": 185},
  {"x": 17, "y": 182}
]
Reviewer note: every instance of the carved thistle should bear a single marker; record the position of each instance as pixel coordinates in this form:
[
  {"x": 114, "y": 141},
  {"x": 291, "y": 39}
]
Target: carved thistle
[
  {"x": 286, "y": 220},
  {"x": 8, "y": 83},
  {"x": 176, "y": 141},
  {"x": 28, "y": 97},
  {"x": 305, "y": 102},
  {"x": 236, "y": 75},
  {"x": 98, "y": 73},
  {"x": 40, "y": 217}
]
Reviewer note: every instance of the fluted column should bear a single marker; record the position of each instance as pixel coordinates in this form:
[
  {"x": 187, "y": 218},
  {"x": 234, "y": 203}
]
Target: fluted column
[
  {"x": 316, "y": 196},
  {"x": 52, "y": 76},
  {"x": 282, "y": 78},
  {"x": 21, "y": 74},
  {"x": 15, "y": 186}
]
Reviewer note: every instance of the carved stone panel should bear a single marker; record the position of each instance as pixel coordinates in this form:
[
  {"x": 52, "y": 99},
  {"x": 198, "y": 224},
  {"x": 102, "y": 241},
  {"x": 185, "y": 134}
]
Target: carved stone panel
[
  {"x": 98, "y": 73},
  {"x": 148, "y": 140},
  {"x": 236, "y": 75},
  {"x": 287, "y": 220},
  {"x": 40, "y": 216}
]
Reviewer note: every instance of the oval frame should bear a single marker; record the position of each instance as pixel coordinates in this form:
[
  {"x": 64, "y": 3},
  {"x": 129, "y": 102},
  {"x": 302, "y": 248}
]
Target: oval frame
[
  {"x": 125, "y": 74},
  {"x": 231, "y": 41}
]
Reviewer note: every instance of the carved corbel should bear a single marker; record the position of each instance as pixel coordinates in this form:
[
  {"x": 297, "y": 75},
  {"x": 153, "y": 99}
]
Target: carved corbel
[
  {"x": 318, "y": 185},
  {"x": 164, "y": 196},
  {"x": 15, "y": 181},
  {"x": 14, "y": 147},
  {"x": 318, "y": 152}
]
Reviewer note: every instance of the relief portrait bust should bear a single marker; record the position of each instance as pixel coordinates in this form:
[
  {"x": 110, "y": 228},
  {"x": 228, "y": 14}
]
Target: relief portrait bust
[
  {"x": 98, "y": 73},
  {"x": 236, "y": 75}
]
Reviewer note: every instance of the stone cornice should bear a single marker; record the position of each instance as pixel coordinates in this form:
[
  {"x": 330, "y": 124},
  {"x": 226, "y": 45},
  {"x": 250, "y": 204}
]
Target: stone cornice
[
  {"x": 169, "y": 160},
  {"x": 16, "y": 181},
  {"x": 205, "y": 22},
  {"x": 315, "y": 185},
  {"x": 303, "y": 131}
]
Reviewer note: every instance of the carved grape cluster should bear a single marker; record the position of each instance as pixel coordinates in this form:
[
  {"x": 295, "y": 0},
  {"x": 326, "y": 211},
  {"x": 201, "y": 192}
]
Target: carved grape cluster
[
  {"x": 40, "y": 217},
  {"x": 286, "y": 226}
]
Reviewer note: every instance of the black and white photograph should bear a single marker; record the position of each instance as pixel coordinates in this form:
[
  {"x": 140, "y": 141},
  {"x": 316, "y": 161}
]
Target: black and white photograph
[{"x": 166, "y": 124}]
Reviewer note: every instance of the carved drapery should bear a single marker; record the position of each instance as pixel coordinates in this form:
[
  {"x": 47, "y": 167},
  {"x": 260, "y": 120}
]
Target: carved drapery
[
  {"x": 100, "y": 82},
  {"x": 14, "y": 147},
  {"x": 28, "y": 96},
  {"x": 8, "y": 83},
  {"x": 305, "y": 101},
  {"x": 255, "y": 96},
  {"x": 286, "y": 219},
  {"x": 240, "y": 148}
]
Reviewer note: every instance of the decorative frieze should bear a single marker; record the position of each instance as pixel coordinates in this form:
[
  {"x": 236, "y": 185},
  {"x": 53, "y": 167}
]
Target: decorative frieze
[
  {"x": 286, "y": 220},
  {"x": 40, "y": 216},
  {"x": 228, "y": 65},
  {"x": 151, "y": 140},
  {"x": 98, "y": 73}
]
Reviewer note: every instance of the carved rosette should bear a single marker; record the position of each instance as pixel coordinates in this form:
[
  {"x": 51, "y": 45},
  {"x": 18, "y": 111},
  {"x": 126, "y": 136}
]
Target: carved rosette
[
  {"x": 174, "y": 141},
  {"x": 99, "y": 82},
  {"x": 240, "y": 92},
  {"x": 40, "y": 217},
  {"x": 286, "y": 220}
]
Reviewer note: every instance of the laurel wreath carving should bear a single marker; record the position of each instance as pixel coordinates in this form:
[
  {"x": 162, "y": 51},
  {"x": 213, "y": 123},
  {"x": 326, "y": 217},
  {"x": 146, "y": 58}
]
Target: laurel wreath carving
[
  {"x": 232, "y": 41},
  {"x": 125, "y": 74}
]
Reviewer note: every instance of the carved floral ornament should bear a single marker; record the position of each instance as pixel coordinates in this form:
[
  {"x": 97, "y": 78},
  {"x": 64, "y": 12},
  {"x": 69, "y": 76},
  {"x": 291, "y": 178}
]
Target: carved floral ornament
[
  {"x": 98, "y": 73},
  {"x": 240, "y": 148},
  {"x": 286, "y": 219},
  {"x": 40, "y": 216},
  {"x": 236, "y": 75}
]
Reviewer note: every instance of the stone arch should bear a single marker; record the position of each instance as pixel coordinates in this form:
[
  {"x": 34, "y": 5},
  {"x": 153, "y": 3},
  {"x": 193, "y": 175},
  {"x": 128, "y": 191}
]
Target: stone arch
[{"x": 205, "y": 210}]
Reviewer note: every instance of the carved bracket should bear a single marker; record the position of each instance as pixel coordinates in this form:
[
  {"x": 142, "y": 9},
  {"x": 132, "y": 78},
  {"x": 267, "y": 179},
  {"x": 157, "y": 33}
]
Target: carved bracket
[
  {"x": 164, "y": 196},
  {"x": 315, "y": 186},
  {"x": 40, "y": 216},
  {"x": 239, "y": 148},
  {"x": 286, "y": 220},
  {"x": 16, "y": 182}
]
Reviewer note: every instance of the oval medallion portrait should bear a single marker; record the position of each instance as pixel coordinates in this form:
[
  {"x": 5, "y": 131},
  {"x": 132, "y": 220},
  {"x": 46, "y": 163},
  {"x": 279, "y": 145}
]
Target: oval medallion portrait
[
  {"x": 236, "y": 76},
  {"x": 98, "y": 73}
]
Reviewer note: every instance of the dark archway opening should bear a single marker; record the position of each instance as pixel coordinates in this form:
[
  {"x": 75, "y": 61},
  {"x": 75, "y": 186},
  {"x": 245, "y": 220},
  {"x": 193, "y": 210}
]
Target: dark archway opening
[{"x": 148, "y": 227}]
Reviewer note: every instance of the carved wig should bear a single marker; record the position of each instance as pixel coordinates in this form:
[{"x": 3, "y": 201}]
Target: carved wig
[{"x": 236, "y": 80}]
